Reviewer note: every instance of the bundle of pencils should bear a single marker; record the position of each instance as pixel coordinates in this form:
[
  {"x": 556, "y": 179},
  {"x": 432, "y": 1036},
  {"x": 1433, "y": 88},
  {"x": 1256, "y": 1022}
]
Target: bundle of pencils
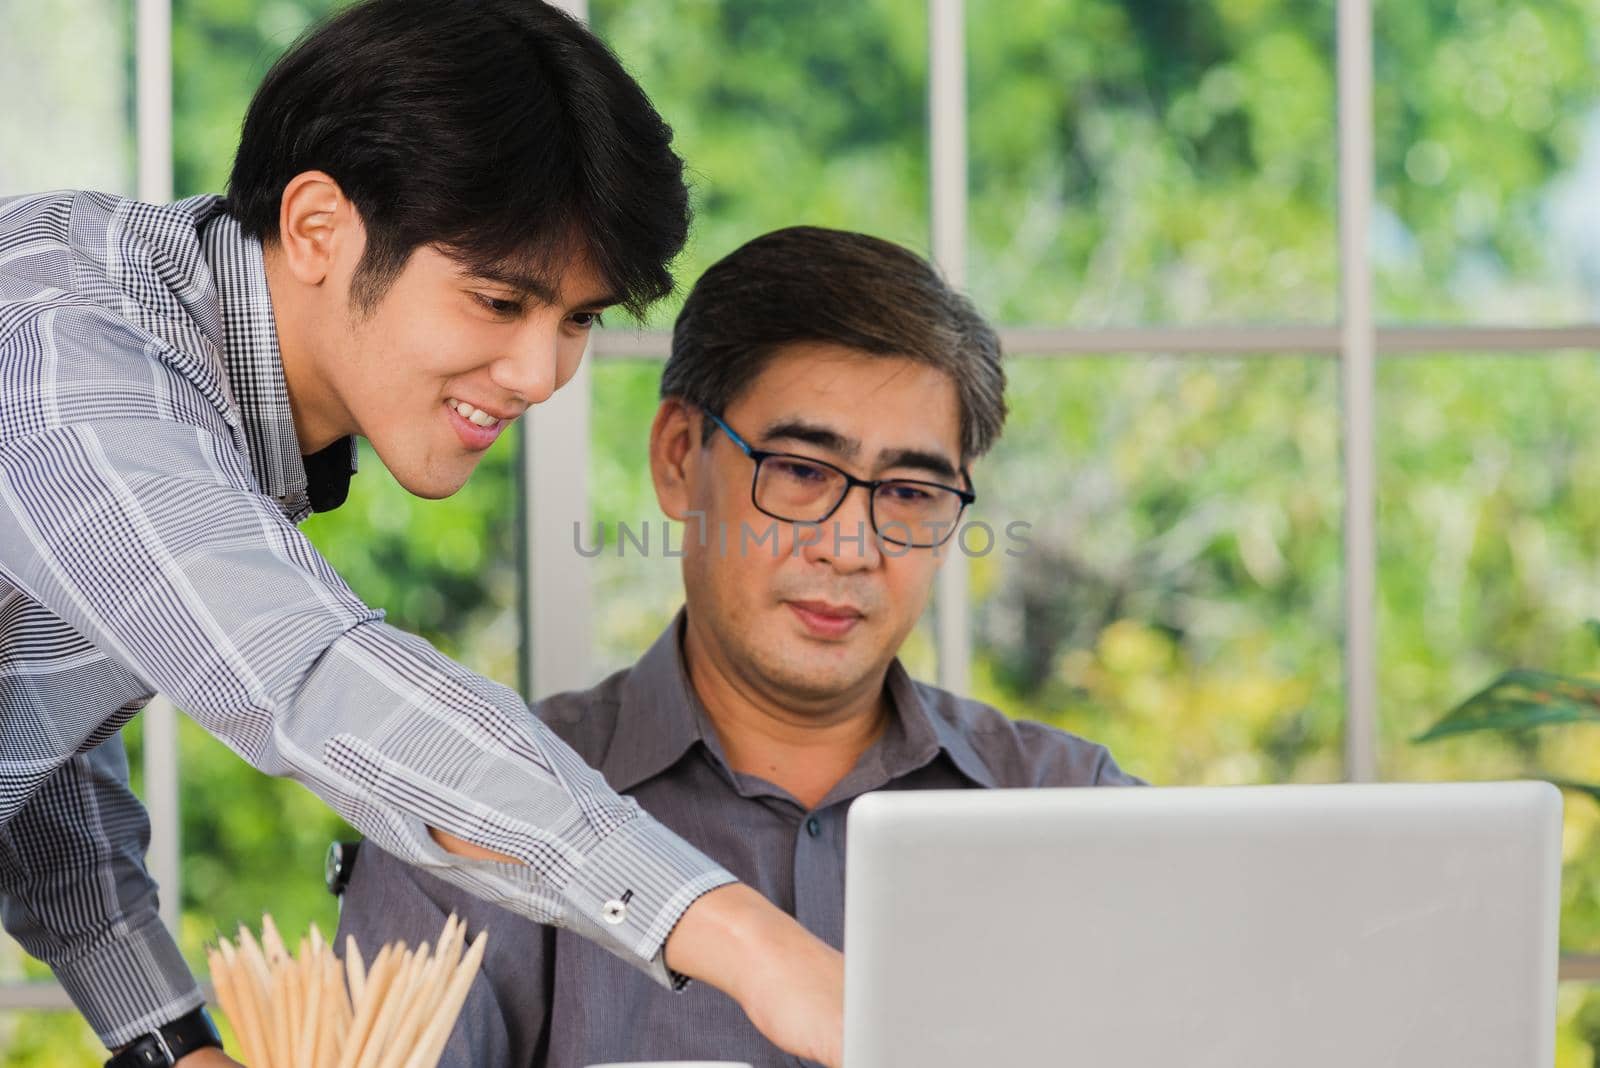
[{"x": 312, "y": 1010}]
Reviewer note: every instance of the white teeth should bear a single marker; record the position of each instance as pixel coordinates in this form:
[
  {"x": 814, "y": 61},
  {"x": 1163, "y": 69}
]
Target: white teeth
[{"x": 476, "y": 416}]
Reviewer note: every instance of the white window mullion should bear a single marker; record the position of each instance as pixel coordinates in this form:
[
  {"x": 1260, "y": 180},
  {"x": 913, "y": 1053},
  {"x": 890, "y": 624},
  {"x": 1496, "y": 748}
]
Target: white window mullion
[
  {"x": 1358, "y": 350},
  {"x": 557, "y": 590},
  {"x": 1207, "y": 340},
  {"x": 153, "y": 108},
  {"x": 947, "y": 119}
]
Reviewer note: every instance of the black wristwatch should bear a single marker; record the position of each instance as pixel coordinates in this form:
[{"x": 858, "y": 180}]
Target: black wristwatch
[
  {"x": 339, "y": 864},
  {"x": 165, "y": 1046}
]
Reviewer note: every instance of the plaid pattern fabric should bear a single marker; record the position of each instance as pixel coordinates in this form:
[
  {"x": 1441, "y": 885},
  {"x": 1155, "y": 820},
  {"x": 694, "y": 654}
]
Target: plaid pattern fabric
[{"x": 150, "y": 483}]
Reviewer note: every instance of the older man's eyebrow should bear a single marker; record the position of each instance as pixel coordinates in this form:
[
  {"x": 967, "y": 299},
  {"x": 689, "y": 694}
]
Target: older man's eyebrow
[
  {"x": 844, "y": 447},
  {"x": 935, "y": 464},
  {"x": 812, "y": 434}
]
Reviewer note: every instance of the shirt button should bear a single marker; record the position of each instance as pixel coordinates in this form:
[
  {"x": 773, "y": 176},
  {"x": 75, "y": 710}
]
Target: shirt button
[
  {"x": 813, "y": 826},
  {"x": 614, "y": 912}
]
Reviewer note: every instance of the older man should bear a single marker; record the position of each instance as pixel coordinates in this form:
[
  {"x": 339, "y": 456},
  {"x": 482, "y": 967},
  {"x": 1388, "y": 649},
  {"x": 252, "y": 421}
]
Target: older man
[{"x": 826, "y": 395}]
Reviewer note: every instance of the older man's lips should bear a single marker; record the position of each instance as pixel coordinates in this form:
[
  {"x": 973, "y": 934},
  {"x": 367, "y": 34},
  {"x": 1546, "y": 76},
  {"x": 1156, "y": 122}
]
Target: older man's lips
[{"x": 825, "y": 620}]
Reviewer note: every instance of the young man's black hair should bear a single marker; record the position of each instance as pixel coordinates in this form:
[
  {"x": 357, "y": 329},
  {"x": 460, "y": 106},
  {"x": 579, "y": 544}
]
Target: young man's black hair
[{"x": 501, "y": 130}]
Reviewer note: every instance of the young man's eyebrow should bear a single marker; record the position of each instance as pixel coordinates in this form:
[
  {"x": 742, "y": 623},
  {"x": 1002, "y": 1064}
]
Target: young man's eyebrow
[
  {"x": 605, "y": 300},
  {"x": 538, "y": 288},
  {"x": 527, "y": 284},
  {"x": 935, "y": 464}
]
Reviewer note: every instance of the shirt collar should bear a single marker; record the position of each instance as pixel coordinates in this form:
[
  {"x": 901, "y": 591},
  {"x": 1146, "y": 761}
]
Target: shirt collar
[
  {"x": 254, "y": 363},
  {"x": 928, "y": 732},
  {"x": 660, "y": 718}
]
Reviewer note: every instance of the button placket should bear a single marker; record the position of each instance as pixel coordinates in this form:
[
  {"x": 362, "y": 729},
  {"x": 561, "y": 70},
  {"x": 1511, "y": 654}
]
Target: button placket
[{"x": 807, "y": 859}]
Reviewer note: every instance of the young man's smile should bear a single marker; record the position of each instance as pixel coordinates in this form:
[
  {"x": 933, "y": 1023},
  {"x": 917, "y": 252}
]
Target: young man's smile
[{"x": 477, "y": 428}]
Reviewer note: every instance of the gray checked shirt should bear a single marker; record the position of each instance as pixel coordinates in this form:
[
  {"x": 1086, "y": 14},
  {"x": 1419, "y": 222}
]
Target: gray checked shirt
[
  {"x": 150, "y": 483},
  {"x": 548, "y": 999}
]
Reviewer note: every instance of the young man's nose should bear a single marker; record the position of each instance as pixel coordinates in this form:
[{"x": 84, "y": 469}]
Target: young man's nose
[{"x": 530, "y": 368}]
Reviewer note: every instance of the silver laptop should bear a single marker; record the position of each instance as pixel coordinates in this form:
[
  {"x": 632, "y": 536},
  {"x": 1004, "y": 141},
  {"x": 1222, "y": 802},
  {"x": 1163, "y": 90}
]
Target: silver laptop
[{"x": 1244, "y": 927}]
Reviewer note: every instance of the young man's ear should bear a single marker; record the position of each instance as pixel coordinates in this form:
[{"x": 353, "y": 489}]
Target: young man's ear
[
  {"x": 318, "y": 227},
  {"x": 674, "y": 445}
]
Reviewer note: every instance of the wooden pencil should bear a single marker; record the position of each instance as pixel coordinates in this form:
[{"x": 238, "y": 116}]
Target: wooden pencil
[{"x": 310, "y": 1009}]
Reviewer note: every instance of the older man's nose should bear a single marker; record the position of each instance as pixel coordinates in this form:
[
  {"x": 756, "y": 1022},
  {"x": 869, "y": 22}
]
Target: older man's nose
[{"x": 846, "y": 539}]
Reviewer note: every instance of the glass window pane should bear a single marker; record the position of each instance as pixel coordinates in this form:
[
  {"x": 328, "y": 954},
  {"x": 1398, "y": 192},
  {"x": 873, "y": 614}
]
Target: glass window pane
[
  {"x": 1137, "y": 163},
  {"x": 636, "y": 587},
  {"x": 1179, "y": 594},
  {"x": 444, "y": 569},
  {"x": 1488, "y": 150},
  {"x": 787, "y": 112},
  {"x": 220, "y": 52},
  {"x": 45, "y": 1039},
  {"x": 1577, "y": 1025},
  {"x": 58, "y": 1038},
  {"x": 1488, "y": 524},
  {"x": 72, "y": 63}
]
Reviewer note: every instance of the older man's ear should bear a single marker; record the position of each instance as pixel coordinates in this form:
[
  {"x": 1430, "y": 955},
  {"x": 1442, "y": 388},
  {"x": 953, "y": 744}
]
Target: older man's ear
[{"x": 674, "y": 441}]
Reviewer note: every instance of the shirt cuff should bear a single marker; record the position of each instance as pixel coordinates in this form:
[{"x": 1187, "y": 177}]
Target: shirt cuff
[
  {"x": 634, "y": 886},
  {"x": 131, "y": 986}
]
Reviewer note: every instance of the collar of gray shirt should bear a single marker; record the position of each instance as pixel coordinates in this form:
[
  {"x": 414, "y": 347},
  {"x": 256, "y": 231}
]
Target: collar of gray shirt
[
  {"x": 660, "y": 718},
  {"x": 254, "y": 362}
]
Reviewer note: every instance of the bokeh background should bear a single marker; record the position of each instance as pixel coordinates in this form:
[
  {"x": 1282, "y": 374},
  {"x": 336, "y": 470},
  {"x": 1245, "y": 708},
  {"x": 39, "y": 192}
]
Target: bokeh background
[{"x": 1131, "y": 163}]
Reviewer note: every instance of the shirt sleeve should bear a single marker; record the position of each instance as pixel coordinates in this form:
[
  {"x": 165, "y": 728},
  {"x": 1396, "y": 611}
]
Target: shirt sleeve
[
  {"x": 75, "y": 893},
  {"x": 147, "y": 536}
]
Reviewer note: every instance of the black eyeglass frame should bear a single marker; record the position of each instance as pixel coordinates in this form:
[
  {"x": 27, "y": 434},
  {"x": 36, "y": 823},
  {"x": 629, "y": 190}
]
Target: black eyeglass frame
[{"x": 759, "y": 456}]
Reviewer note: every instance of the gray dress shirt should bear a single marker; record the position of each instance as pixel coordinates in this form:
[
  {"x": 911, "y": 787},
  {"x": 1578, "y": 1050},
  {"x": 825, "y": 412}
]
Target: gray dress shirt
[
  {"x": 150, "y": 483},
  {"x": 547, "y": 998}
]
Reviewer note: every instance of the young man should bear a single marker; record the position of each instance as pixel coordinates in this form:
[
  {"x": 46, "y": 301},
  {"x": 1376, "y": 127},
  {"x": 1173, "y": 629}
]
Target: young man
[
  {"x": 430, "y": 207},
  {"x": 825, "y": 397}
]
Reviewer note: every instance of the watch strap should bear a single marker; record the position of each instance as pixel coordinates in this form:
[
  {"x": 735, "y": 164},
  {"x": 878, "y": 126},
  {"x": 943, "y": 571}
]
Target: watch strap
[{"x": 168, "y": 1044}]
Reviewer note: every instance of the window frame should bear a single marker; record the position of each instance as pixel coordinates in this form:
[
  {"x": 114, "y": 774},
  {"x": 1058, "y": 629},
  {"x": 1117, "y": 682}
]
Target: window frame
[{"x": 556, "y": 599}]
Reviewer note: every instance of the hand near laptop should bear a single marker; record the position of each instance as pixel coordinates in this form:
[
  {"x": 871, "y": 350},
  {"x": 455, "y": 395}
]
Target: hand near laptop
[
  {"x": 789, "y": 982},
  {"x": 786, "y": 979}
]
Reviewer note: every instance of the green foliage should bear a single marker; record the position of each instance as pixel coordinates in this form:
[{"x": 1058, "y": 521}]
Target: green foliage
[
  {"x": 1153, "y": 161},
  {"x": 786, "y": 112},
  {"x": 1521, "y": 700},
  {"x": 1179, "y": 599},
  {"x": 1480, "y": 104}
]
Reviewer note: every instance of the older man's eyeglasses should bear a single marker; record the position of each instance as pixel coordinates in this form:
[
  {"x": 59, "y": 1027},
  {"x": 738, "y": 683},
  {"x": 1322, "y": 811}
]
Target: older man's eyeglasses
[{"x": 801, "y": 489}]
